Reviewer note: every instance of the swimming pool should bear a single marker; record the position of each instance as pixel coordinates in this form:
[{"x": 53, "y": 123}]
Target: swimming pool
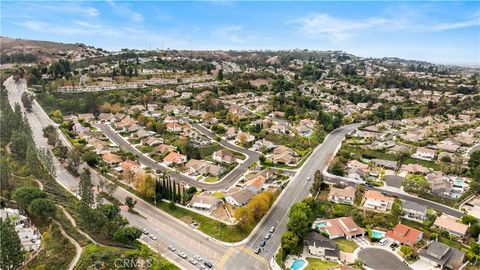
[
  {"x": 321, "y": 224},
  {"x": 377, "y": 234},
  {"x": 298, "y": 264}
]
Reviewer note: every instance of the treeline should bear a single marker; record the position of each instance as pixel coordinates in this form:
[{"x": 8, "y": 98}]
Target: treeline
[
  {"x": 171, "y": 190},
  {"x": 18, "y": 58}
]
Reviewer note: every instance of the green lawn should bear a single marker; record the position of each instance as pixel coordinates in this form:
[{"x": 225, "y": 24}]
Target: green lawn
[
  {"x": 346, "y": 245},
  {"x": 108, "y": 255},
  {"x": 211, "y": 179},
  {"x": 219, "y": 230},
  {"x": 317, "y": 264}
]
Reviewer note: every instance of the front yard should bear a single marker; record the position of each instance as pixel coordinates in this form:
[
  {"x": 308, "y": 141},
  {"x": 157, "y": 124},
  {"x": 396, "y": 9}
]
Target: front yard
[
  {"x": 317, "y": 264},
  {"x": 345, "y": 245}
]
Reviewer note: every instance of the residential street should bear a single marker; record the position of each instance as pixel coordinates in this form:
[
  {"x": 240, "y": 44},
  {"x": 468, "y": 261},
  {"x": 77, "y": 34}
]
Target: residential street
[
  {"x": 226, "y": 182},
  {"x": 298, "y": 189}
]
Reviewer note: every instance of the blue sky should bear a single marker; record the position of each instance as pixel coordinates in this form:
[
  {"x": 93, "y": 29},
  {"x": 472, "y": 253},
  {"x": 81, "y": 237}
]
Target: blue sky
[{"x": 440, "y": 32}]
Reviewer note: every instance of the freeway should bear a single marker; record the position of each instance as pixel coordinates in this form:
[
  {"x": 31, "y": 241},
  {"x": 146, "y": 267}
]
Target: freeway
[
  {"x": 400, "y": 194},
  {"x": 277, "y": 217},
  {"x": 168, "y": 229},
  {"x": 224, "y": 183}
]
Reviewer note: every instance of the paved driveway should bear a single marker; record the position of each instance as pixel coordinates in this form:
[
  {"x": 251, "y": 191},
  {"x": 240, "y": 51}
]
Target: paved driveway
[{"x": 379, "y": 259}]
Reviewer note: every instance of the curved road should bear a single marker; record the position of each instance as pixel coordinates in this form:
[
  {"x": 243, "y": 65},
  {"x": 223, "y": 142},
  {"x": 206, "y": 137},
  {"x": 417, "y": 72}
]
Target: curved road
[
  {"x": 296, "y": 190},
  {"x": 226, "y": 182}
]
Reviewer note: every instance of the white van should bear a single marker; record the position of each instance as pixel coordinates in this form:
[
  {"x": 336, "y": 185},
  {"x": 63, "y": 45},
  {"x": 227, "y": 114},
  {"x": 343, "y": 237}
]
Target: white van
[{"x": 383, "y": 241}]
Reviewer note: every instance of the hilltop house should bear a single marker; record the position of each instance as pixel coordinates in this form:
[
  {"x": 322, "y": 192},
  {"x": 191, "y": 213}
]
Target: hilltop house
[
  {"x": 339, "y": 227},
  {"x": 375, "y": 200},
  {"x": 414, "y": 211},
  {"x": 440, "y": 256},
  {"x": 404, "y": 235},
  {"x": 451, "y": 225},
  {"x": 342, "y": 195},
  {"x": 322, "y": 247}
]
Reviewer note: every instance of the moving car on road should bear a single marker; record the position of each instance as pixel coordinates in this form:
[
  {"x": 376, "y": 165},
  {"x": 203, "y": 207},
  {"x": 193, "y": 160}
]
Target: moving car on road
[
  {"x": 192, "y": 261},
  {"x": 267, "y": 236},
  {"x": 272, "y": 229},
  {"x": 198, "y": 258},
  {"x": 182, "y": 254},
  {"x": 172, "y": 248},
  {"x": 153, "y": 237}
]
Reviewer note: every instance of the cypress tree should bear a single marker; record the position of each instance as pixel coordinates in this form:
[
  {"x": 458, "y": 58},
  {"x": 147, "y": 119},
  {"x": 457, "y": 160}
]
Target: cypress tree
[{"x": 11, "y": 255}]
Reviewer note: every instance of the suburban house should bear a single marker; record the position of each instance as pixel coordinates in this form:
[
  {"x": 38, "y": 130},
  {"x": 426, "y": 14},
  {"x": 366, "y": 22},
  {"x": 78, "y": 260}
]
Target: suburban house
[
  {"x": 414, "y": 169},
  {"x": 388, "y": 164},
  {"x": 165, "y": 148},
  {"x": 283, "y": 154},
  {"x": 223, "y": 156},
  {"x": 239, "y": 198},
  {"x": 414, "y": 211},
  {"x": 204, "y": 202},
  {"x": 424, "y": 153},
  {"x": 152, "y": 141},
  {"x": 245, "y": 137},
  {"x": 111, "y": 159},
  {"x": 355, "y": 164},
  {"x": 342, "y": 195},
  {"x": 404, "y": 235},
  {"x": 174, "y": 158},
  {"x": 339, "y": 227},
  {"x": 263, "y": 145},
  {"x": 451, "y": 225},
  {"x": 440, "y": 256},
  {"x": 129, "y": 166},
  {"x": 202, "y": 167},
  {"x": 375, "y": 200},
  {"x": 30, "y": 237},
  {"x": 322, "y": 247},
  {"x": 255, "y": 184}
]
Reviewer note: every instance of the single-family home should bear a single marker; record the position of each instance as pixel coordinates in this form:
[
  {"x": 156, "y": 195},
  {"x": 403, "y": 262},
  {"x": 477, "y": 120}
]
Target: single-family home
[
  {"x": 439, "y": 255},
  {"x": 255, "y": 184},
  {"x": 165, "y": 149},
  {"x": 263, "y": 145},
  {"x": 388, "y": 164},
  {"x": 414, "y": 169},
  {"x": 339, "y": 227},
  {"x": 322, "y": 247},
  {"x": 204, "y": 202},
  {"x": 424, "y": 153},
  {"x": 111, "y": 158},
  {"x": 283, "y": 154},
  {"x": 375, "y": 200},
  {"x": 174, "y": 158},
  {"x": 244, "y": 137},
  {"x": 105, "y": 117},
  {"x": 342, "y": 195},
  {"x": 451, "y": 225},
  {"x": 355, "y": 164},
  {"x": 404, "y": 235},
  {"x": 152, "y": 141},
  {"x": 224, "y": 156},
  {"x": 86, "y": 116},
  {"x": 239, "y": 198},
  {"x": 414, "y": 211}
]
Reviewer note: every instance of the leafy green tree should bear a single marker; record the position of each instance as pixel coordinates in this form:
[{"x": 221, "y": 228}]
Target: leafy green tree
[
  {"x": 130, "y": 202},
  {"x": 220, "y": 75},
  {"x": 42, "y": 208},
  {"x": 85, "y": 188},
  {"x": 468, "y": 219},
  {"x": 11, "y": 255},
  {"x": 5, "y": 174},
  {"x": 127, "y": 235},
  {"x": 20, "y": 143},
  {"x": 289, "y": 242},
  {"x": 407, "y": 251},
  {"x": 298, "y": 223},
  {"x": 25, "y": 195},
  {"x": 27, "y": 101}
]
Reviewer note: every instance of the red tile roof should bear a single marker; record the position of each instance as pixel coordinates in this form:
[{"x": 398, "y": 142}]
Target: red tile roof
[{"x": 404, "y": 234}]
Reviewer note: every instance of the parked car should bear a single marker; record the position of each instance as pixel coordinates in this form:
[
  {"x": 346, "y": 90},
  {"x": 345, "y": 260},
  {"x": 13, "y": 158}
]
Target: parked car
[
  {"x": 202, "y": 267},
  {"x": 383, "y": 241},
  {"x": 182, "y": 254},
  {"x": 263, "y": 243},
  {"x": 257, "y": 250},
  {"x": 192, "y": 261},
  {"x": 144, "y": 231},
  {"x": 172, "y": 248},
  {"x": 153, "y": 237},
  {"x": 208, "y": 264},
  {"x": 198, "y": 258},
  {"x": 272, "y": 229},
  {"x": 267, "y": 236}
]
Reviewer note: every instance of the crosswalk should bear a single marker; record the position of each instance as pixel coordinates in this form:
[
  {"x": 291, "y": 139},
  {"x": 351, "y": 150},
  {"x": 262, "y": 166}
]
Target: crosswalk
[
  {"x": 221, "y": 263},
  {"x": 253, "y": 254}
]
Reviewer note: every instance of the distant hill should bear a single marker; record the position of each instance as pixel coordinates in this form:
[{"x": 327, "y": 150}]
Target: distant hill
[{"x": 27, "y": 51}]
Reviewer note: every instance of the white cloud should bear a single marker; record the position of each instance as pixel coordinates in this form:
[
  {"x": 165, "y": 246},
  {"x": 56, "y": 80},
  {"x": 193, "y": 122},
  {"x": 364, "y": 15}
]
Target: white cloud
[
  {"x": 230, "y": 33},
  {"x": 337, "y": 29},
  {"x": 126, "y": 11}
]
